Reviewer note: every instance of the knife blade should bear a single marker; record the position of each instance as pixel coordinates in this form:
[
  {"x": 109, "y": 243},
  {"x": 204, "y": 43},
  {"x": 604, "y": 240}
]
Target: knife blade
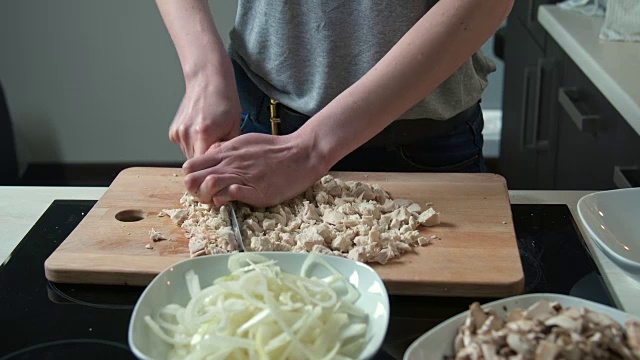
[{"x": 235, "y": 227}]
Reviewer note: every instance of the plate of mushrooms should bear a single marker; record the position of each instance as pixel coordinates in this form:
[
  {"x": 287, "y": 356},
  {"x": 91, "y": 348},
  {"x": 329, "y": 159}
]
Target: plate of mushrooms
[{"x": 532, "y": 326}]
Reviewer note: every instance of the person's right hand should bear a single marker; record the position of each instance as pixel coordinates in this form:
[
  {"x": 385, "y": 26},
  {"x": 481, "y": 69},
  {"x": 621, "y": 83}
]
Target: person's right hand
[{"x": 210, "y": 112}]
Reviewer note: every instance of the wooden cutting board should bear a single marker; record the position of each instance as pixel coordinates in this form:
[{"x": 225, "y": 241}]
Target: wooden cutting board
[{"x": 476, "y": 255}]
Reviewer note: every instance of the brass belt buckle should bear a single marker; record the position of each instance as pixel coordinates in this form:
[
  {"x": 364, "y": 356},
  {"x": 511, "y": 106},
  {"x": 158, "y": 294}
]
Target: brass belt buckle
[{"x": 275, "y": 119}]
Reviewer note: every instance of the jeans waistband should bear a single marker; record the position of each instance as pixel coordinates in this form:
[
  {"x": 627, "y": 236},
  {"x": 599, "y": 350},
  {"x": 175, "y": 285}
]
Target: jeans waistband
[{"x": 398, "y": 133}]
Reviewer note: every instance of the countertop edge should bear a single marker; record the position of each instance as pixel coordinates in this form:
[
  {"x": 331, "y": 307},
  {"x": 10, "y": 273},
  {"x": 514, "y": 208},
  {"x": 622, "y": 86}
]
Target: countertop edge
[{"x": 622, "y": 101}]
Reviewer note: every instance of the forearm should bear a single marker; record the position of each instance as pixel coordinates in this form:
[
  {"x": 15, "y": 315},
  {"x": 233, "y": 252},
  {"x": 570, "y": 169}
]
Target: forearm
[
  {"x": 196, "y": 39},
  {"x": 425, "y": 56}
]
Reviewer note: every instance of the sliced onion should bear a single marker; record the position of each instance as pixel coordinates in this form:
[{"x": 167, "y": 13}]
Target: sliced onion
[{"x": 260, "y": 312}]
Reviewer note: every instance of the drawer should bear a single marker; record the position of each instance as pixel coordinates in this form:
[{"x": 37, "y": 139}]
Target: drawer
[{"x": 597, "y": 148}]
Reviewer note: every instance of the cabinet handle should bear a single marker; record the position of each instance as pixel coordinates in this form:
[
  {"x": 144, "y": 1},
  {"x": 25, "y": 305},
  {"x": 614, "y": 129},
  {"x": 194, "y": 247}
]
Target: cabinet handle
[
  {"x": 530, "y": 12},
  {"x": 619, "y": 179},
  {"x": 524, "y": 114},
  {"x": 533, "y": 141},
  {"x": 543, "y": 65},
  {"x": 586, "y": 123}
]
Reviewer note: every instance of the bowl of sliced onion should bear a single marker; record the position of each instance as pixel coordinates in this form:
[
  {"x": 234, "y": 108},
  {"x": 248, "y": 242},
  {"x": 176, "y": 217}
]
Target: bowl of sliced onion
[{"x": 268, "y": 305}]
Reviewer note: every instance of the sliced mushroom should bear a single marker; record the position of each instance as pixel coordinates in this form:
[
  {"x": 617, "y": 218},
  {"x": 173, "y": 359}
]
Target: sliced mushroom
[
  {"x": 471, "y": 352},
  {"x": 520, "y": 344},
  {"x": 541, "y": 311},
  {"x": 477, "y": 316},
  {"x": 522, "y": 325},
  {"x": 492, "y": 323},
  {"x": 547, "y": 350},
  {"x": 515, "y": 314},
  {"x": 489, "y": 351},
  {"x": 565, "y": 322},
  {"x": 633, "y": 336}
]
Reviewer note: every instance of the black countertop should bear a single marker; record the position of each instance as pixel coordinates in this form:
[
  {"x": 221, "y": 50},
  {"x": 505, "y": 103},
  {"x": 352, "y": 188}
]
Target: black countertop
[{"x": 42, "y": 320}]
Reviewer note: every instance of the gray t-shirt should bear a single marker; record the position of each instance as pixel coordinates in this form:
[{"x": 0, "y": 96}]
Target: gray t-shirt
[{"x": 304, "y": 53}]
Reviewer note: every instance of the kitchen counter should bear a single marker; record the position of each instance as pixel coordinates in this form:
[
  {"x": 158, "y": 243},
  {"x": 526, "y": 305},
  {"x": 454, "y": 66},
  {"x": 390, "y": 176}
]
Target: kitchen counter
[
  {"x": 22, "y": 207},
  {"x": 611, "y": 66}
]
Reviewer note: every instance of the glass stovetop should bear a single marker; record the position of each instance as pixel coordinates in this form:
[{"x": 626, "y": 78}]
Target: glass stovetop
[{"x": 42, "y": 320}]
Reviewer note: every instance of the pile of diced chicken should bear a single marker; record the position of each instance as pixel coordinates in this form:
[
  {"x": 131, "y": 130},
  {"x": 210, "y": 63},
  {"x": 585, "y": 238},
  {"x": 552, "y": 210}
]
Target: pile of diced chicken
[
  {"x": 344, "y": 218},
  {"x": 546, "y": 330}
]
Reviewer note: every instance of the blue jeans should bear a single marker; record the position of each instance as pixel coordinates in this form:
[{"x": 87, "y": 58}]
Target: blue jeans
[{"x": 459, "y": 150}]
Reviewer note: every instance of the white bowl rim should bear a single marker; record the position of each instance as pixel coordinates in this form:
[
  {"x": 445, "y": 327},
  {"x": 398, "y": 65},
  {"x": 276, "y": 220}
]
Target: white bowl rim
[
  {"x": 140, "y": 355},
  {"x": 601, "y": 244}
]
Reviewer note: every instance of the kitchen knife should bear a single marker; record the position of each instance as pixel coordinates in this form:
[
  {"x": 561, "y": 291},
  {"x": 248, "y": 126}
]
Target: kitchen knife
[{"x": 235, "y": 227}]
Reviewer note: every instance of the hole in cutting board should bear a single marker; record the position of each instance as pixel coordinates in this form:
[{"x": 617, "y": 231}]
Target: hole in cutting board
[{"x": 130, "y": 215}]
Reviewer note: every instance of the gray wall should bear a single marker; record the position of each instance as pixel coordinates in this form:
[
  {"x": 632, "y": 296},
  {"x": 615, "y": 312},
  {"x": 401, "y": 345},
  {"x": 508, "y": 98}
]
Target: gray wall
[
  {"x": 92, "y": 81},
  {"x": 99, "y": 81}
]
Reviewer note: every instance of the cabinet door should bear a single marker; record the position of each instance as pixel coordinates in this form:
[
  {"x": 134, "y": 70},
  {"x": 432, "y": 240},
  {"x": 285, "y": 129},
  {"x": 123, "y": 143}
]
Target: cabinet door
[
  {"x": 526, "y": 11},
  {"x": 544, "y": 131},
  {"x": 594, "y": 139},
  {"x": 525, "y": 69}
]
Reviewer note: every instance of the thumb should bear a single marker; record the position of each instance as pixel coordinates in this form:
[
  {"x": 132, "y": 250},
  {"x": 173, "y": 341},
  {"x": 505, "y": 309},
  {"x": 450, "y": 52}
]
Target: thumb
[{"x": 241, "y": 193}]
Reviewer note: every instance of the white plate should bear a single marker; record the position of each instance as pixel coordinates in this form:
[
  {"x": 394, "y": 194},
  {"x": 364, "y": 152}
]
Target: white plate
[
  {"x": 170, "y": 287},
  {"x": 612, "y": 219},
  {"x": 438, "y": 341}
]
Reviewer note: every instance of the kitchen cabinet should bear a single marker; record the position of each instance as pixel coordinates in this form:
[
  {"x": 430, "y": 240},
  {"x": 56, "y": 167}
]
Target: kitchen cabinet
[
  {"x": 599, "y": 149},
  {"x": 558, "y": 130},
  {"x": 525, "y": 12},
  {"x": 529, "y": 123}
]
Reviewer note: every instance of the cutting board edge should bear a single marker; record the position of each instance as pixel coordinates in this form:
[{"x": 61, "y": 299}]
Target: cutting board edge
[
  {"x": 461, "y": 289},
  {"x": 56, "y": 269}
]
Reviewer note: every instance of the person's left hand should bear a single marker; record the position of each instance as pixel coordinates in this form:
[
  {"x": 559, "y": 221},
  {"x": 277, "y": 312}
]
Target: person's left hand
[{"x": 257, "y": 169}]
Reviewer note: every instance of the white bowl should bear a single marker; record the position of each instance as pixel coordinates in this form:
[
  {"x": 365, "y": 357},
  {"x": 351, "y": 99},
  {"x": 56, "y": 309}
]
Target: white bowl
[
  {"x": 170, "y": 287},
  {"x": 438, "y": 342},
  {"x": 612, "y": 219}
]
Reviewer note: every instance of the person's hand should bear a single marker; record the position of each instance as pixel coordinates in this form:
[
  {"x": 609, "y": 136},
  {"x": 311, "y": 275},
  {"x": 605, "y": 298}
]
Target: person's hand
[
  {"x": 257, "y": 169},
  {"x": 209, "y": 112}
]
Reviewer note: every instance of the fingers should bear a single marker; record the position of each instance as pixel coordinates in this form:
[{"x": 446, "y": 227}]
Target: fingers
[
  {"x": 200, "y": 147},
  {"x": 194, "y": 179},
  {"x": 214, "y": 184},
  {"x": 237, "y": 192},
  {"x": 180, "y": 135},
  {"x": 203, "y": 135},
  {"x": 203, "y": 162}
]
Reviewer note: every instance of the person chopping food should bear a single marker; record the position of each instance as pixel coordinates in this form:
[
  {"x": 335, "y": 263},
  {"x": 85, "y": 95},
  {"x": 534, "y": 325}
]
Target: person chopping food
[{"x": 306, "y": 87}]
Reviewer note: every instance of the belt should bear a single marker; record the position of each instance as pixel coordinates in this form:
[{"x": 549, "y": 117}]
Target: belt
[{"x": 285, "y": 120}]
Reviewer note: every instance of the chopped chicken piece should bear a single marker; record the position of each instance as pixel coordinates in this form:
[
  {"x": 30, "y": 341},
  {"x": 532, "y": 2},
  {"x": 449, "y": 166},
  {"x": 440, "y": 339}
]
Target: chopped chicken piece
[
  {"x": 429, "y": 217},
  {"x": 384, "y": 256},
  {"x": 333, "y": 217},
  {"x": 176, "y": 215},
  {"x": 309, "y": 237},
  {"x": 321, "y": 249},
  {"x": 287, "y": 238},
  {"x": 322, "y": 197},
  {"x": 343, "y": 242},
  {"x": 261, "y": 243},
  {"x": 156, "y": 235},
  {"x": 358, "y": 253},
  {"x": 414, "y": 208},
  {"x": 269, "y": 224},
  {"x": 345, "y": 218}
]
